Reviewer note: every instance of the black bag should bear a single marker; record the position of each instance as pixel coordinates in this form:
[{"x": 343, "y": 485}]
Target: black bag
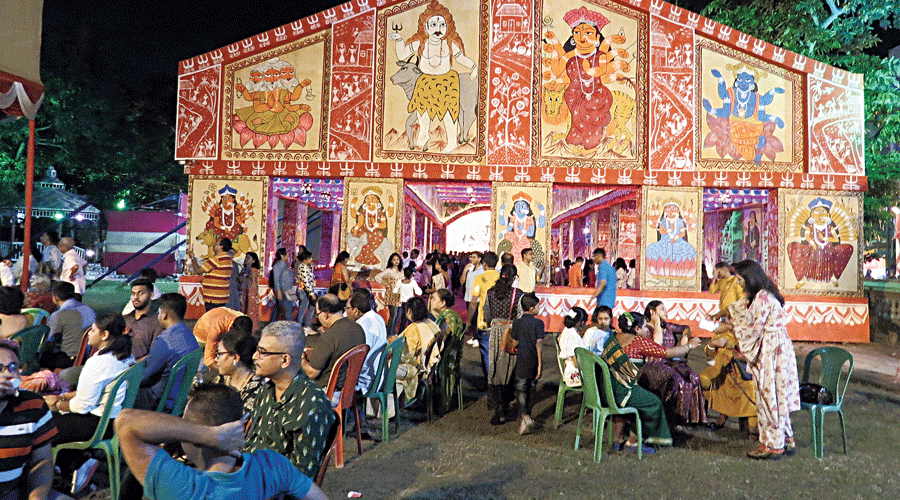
[
  {"x": 742, "y": 368},
  {"x": 815, "y": 394}
]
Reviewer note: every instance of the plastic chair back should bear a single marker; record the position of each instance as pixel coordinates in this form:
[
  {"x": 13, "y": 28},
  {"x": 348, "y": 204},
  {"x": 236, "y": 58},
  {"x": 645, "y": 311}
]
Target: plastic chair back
[
  {"x": 386, "y": 376},
  {"x": 353, "y": 359},
  {"x": 38, "y": 315},
  {"x": 84, "y": 350},
  {"x": 29, "y": 341},
  {"x": 447, "y": 372},
  {"x": 187, "y": 366},
  {"x": 832, "y": 375}
]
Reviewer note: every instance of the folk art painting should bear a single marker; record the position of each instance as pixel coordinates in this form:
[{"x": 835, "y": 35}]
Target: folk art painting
[
  {"x": 227, "y": 207},
  {"x": 820, "y": 253},
  {"x": 371, "y": 222},
  {"x": 751, "y": 112},
  {"x": 671, "y": 236},
  {"x": 274, "y": 104},
  {"x": 520, "y": 219},
  {"x": 591, "y": 102},
  {"x": 431, "y": 74}
]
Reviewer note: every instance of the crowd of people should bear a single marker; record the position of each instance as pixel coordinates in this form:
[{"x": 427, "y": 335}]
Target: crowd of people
[{"x": 259, "y": 401}]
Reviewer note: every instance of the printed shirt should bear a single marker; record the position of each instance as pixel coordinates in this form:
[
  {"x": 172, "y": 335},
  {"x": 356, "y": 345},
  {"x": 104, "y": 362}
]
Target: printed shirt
[
  {"x": 25, "y": 424},
  {"x": 216, "y": 277},
  {"x": 641, "y": 347},
  {"x": 296, "y": 427},
  {"x": 729, "y": 290}
]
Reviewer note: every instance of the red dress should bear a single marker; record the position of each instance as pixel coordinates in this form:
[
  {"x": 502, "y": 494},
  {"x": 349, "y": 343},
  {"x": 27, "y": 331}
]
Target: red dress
[{"x": 589, "y": 101}]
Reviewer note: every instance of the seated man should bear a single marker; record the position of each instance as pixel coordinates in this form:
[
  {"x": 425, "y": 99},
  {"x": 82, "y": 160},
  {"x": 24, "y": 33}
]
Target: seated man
[
  {"x": 26, "y": 433},
  {"x": 341, "y": 334},
  {"x": 141, "y": 319},
  {"x": 174, "y": 343},
  {"x": 149, "y": 274},
  {"x": 359, "y": 309},
  {"x": 291, "y": 415},
  {"x": 67, "y": 325},
  {"x": 210, "y": 433}
]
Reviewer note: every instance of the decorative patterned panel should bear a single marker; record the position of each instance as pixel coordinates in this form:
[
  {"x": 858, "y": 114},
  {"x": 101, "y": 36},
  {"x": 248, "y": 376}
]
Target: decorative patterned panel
[
  {"x": 198, "y": 111},
  {"x": 836, "y": 128},
  {"x": 352, "y": 74},
  {"x": 671, "y": 95}
]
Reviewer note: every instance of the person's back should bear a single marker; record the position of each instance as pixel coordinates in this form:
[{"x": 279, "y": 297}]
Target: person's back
[{"x": 326, "y": 348}]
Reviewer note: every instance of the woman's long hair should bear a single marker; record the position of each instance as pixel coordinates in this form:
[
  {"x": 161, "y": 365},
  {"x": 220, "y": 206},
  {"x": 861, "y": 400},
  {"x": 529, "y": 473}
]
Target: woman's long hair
[
  {"x": 280, "y": 255},
  {"x": 255, "y": 263},
  {"x": 342, "y": 257},
  {"x": 755, "y": 279},
  {"x": 120, "y": 345},
  {"x": 241, "y": 343},
  {"x": 399, "y": 265},
  {"x": 651, "y": 308}
]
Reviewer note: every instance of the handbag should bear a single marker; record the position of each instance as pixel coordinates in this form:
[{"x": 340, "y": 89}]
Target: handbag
[
  {"x": 815, "y": 394},
  {"x": 508, "y": 343}
]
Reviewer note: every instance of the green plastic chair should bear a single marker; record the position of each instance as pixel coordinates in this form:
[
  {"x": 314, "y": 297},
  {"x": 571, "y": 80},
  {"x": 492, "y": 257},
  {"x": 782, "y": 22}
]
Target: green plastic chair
[
  {"x": 563, "y": 388},
  {"x": 187, "y": 365},
  {"x": 384, "y": 383},
  {"x": 831, "y": 377},
  {"x": 110, "y": 447},
  {"x": 38, "y": 315},
  {"x": 447, "y": 374},
  {"x": 602, "y": 403},
  {"x": 30, "y": 340}
]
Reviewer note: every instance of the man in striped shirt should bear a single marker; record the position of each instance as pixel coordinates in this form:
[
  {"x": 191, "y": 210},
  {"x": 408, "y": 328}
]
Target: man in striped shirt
[
  {"x": 26, "y": 431},
  {"x": 216, "y": 273}
]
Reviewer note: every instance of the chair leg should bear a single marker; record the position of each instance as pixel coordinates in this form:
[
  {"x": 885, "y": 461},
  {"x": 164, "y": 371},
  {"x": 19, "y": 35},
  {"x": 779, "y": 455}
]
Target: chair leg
[
  {"x": 578, "y": 428},
  {"x": 818, "y": 432},
  {"x": 560, "y": 402},
  {"x": 358, "y": 429},
  {"x": 459, "y": 393},
  {"x": 843, "y": 430},
  {"x": 599, "y": 424},
  {"x": 339, "y": 442},
  {"x": 385, "y": 433},
  {"x": 640, "y": 436}
]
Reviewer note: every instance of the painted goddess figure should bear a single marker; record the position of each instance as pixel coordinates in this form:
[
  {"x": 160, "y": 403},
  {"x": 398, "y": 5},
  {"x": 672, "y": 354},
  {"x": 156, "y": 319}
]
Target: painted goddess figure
[
  {"x": 436, "y": 96},
  {"x": 672, "y": 255},
  {"x": 368, "y": 243},
  {"x": 521, "y": 227},
  {"x": 820, "y": 255}
]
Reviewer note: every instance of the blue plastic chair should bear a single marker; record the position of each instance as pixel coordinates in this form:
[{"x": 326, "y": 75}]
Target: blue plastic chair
[{"x": 833, "y": 378}]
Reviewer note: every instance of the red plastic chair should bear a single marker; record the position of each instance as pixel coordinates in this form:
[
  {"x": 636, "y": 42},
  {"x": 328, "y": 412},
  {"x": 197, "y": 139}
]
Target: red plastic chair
[
  {"x": 83, "y": 350},
  {"x": 353, "y": 359}
]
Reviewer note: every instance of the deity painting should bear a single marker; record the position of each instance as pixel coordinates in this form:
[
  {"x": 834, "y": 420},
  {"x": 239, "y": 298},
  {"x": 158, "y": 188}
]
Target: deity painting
[
  {"x": 589, "y": 82},
  {"x": 822, "y": 240},
  {"x": 275, "y": 104},
  {"x": 431, "y": 59},
  {"x": 752, "y": 243},
  {"x": 748, "y": 112},
  {"x": 372, "y": 221},
  {"x": 521, "y": 220},
  {"x": 230, "y": 207},
  {"x": 672, "y": 234}
]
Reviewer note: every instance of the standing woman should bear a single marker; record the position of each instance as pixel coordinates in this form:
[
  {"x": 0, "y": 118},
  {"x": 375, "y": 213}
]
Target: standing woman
[
  {"x": 306, "y": 288},
  {"x": 621, "y": 273},
  {"x": 281, "y": 280},
  {"x": 391, "y": 275},
  {"x": 340, "y": 273},
  {"x": 250, "y": 288},
  {"x": 500, "y": 309},
  {"x": 78, "y": 413},
  {"x": 759, "y": 325}
]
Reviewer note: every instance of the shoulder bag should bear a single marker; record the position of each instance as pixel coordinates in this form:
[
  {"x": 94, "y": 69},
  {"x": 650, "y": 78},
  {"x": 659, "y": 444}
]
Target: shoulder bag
[{"x": 508, "y": 343}]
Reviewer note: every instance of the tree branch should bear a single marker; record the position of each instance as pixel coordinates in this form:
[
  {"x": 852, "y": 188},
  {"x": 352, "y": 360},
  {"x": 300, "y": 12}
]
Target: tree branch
[{"x": 835, "y": 13}]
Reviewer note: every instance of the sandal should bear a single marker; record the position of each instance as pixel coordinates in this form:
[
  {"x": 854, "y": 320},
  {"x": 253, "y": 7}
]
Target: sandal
[
  {"x": 765, "y": 453},
  {"x": 790, "y": 447}
]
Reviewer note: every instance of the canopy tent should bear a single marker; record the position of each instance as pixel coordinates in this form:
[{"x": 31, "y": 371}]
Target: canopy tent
[{"x": 21, "y": 90}]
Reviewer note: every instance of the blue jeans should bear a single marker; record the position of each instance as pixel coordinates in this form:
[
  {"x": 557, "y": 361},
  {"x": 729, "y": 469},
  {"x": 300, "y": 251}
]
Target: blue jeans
[
  {"x": 483, "y": 337},
  {"x": 303, "y": 309},
  {"x": 393, "y": 319},
  {"x": 285, "y": 305}
]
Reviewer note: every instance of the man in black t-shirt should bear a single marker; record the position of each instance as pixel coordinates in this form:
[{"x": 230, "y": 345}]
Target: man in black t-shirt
[
  {"x": 341, "y": 334},
  {"x": 529, "y": 331}
]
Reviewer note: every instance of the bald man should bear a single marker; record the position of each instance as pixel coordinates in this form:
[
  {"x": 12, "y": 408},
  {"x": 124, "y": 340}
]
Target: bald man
[{"x": 72, "y": 265}]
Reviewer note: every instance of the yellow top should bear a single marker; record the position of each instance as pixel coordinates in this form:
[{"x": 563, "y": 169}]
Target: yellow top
[
  {"x": 729, "y": 291},
  {"x": 483, "y": 282}
]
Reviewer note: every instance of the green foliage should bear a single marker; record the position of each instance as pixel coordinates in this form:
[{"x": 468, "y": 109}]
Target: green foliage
[
  {"x": 104, "y": 146},
  {"x": 840, "y": 35}
]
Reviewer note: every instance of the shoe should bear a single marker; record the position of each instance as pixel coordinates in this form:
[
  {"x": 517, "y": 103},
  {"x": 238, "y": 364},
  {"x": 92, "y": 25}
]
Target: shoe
[
  {"x": 473, "y": 343},
  {"x": 633, "y": 448},
  {"x": 499, "y": 418},
  {"x": 764, "y": 453},
  {"x": 82, "y": 476},
  {"x": 790, "y": 447},
  {"x": 526, "y": 427},
  {"x": 713, "y": 426}
]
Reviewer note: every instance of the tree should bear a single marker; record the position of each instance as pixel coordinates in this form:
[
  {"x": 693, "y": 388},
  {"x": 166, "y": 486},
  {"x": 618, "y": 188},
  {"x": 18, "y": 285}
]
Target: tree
[{"x": 842, "y": 34}]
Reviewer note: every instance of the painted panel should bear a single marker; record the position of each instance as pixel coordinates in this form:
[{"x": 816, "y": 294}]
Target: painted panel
[
  {"x": 520, "y": 219},
  {"x": 372, "y": 227},
  {"x": 592, "y": 75},
  {"x": 752, "y": 112},
  {"x": 671, "y": 95},
  {"x": 820, "y": 253},
  {"x": 836, "y": 128},
  {"x": 198, "y": 109},
  {"x": 628, "y": 226},
  {"x": 430, "y": 81},
  {"x": 673, "y": 219},
  {"x": 275, "y": 103},
  {"x": 509, "y": 115},
  {"x": 227, "y": 207},
  {"x": 352, "y": 64}
]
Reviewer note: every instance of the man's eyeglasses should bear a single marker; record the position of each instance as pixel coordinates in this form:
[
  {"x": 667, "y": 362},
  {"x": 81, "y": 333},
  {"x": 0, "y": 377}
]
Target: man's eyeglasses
[
  {"x": 262, "y": 352},
  {"x": 13, "y": 368}
]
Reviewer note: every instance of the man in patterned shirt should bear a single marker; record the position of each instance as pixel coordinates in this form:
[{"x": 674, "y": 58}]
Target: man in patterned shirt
[
  {"x": 216, "y": 273},
  {"x": 292, "y": 415}
]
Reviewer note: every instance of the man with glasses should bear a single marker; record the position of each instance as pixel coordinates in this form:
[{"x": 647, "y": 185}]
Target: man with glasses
[
  {"x": 26, "y": 432},
  {"x": 291, "y": 414},
  {"x": 341, "y": 334}
]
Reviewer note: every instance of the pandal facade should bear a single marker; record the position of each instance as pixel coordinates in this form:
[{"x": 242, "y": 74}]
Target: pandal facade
[{"x": 632, "y": 125}]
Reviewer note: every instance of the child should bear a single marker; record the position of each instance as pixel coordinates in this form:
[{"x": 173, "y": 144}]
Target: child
[
  {"x": 597, "y": 334},
  {"x": 407, "y": 288},
  {"x": 529, "y": 331},
  {"x": 569, "y": 339}
]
